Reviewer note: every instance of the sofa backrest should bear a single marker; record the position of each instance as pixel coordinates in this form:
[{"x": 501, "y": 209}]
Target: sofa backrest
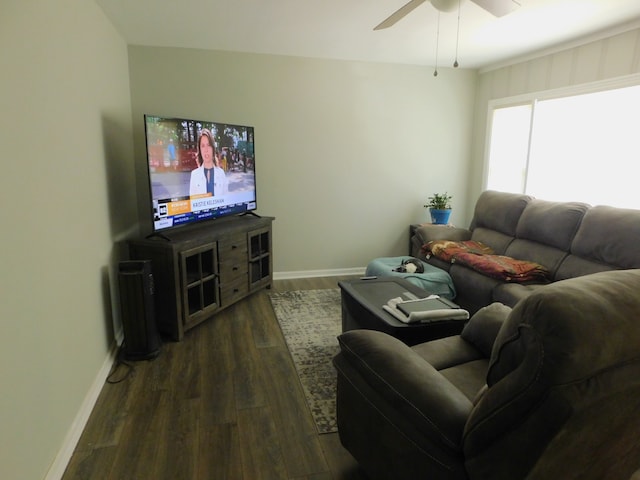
[
  {"x": 545, "y": 232},
  {"x": 607, "y": 239},
  {"x": 495, "y": 218},
  {"x": 563, "y": 382}
]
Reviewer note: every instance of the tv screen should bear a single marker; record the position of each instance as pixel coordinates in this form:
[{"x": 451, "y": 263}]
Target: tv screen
[{"x": 198, "y": 170}]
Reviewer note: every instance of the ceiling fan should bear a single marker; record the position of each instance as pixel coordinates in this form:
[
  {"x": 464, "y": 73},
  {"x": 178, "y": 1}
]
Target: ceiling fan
[{"x": 497, "y": 8}]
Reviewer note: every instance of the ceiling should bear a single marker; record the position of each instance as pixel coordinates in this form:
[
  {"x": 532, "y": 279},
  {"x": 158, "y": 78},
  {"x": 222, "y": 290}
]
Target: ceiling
[{"x": 343, "y": 29}]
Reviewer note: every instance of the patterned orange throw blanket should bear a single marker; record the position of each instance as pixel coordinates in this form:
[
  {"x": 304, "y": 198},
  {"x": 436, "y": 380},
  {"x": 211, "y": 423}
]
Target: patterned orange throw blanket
[{"x": 483, "y": 259}]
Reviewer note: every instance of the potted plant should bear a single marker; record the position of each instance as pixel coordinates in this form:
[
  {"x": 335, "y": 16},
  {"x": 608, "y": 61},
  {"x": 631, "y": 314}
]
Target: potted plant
[{"x": 439, "y": 205}]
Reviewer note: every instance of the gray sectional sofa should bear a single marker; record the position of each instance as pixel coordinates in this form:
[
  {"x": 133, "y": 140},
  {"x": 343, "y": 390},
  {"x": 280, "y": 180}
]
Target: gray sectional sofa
[
  {"x": 569, "y": 239},
  {"x": 548, "y": 389}
]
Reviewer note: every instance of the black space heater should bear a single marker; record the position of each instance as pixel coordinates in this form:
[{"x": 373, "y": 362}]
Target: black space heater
[{"x": 141, "y": 338}]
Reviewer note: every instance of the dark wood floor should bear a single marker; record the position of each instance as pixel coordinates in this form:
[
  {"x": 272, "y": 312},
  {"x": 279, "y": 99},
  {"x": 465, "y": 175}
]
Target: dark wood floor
[{"x": 225, "y": 403}]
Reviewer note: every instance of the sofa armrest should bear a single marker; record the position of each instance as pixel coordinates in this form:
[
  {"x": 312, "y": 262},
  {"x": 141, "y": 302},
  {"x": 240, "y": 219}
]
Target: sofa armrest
[
  {"x": 403, "y": 380},
  {"x": 428, "y": 232}
]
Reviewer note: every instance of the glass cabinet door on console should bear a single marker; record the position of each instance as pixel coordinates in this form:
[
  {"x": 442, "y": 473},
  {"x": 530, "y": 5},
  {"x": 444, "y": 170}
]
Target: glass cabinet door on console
[
  {"x": 260, "y": 260},
  {"x": 199, "y": 280}
]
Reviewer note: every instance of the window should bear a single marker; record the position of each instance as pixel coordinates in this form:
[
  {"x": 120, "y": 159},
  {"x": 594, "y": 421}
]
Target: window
[
  {"x": 509, "y": 147},
  {"x": 582, "y": 147}
]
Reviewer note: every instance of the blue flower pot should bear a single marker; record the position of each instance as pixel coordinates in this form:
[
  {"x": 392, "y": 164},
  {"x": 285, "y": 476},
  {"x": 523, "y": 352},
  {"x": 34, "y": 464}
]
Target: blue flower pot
[{"x": 440, "y": 217}]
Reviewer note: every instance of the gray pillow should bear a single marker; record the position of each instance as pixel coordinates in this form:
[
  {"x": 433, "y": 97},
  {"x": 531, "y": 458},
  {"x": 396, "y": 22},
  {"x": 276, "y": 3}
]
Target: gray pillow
[{"x": 482, "y": 329}]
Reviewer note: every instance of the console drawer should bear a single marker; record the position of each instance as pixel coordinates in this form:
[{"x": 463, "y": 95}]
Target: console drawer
[{"x": 234, "y": 289}]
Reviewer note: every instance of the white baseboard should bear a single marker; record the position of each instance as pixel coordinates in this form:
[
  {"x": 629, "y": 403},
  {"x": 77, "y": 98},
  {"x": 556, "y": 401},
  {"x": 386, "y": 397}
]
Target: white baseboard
[
  {"x": 318, "y": 273},
  {"x": 59, "y": 465}
]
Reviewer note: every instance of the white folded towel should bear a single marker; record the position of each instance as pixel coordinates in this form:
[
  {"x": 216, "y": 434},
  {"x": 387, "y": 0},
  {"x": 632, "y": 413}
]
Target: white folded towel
[{"x": 426, "y": 315}]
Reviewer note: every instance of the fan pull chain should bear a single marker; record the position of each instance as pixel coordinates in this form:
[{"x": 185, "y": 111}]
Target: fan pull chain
[
  {"x": 435, "y": 72},
  {"x": 455, "y": 63}
]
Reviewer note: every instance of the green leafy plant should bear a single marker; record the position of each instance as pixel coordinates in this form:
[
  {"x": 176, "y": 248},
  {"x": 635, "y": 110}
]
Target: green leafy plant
[{"x": 439, "y": 201}]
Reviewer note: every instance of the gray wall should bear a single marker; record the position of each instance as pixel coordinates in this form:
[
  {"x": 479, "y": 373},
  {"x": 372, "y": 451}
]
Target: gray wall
[
  {"x": 346, "y": 153},
  {"x": 67, "y": 195}
]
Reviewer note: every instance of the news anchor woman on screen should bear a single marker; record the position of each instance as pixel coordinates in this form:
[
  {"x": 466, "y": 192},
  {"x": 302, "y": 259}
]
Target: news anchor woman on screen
[{"x": 208, "y": 177}]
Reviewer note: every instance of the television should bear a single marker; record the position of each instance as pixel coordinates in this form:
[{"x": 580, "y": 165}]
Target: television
[{"x": 198, "y": 170}]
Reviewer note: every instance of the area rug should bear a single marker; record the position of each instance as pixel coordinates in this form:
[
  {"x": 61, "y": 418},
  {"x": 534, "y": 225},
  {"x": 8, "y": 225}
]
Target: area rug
[{"x": 310, "y": 321}]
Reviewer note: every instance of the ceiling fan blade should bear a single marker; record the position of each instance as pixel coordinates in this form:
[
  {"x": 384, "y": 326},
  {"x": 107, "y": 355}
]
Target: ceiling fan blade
[
  {"x": 400, "y": 14},
  {"x": 498, "y": 8}
]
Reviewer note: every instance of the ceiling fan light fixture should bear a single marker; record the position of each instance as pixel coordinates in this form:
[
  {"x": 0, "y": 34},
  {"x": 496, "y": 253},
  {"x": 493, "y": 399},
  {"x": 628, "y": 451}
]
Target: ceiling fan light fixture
[{"x": 445, "y": 5}]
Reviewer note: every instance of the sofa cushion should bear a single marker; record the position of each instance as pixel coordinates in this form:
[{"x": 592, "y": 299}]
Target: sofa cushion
[
  {"x": 428, "y": 232},
  {"x": 550, "y": 257},
  {"x": 498, "y": 241},
  {"x": 448, "y": 351},
  {"x": 468, "y": 377},
  {"x": 499, "y": 211},
  {"x": 551, "y": 223},
  {"x": 545, "y": 231},
  {"x": 609, "y": 235},
  {"x": 457, "y": 360},
  {"x": 482, "y": 328},
  {"x": 473, "y": 289},
  {"x": 511, "y": 293},
  {"x": 574, "y": 266}
]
